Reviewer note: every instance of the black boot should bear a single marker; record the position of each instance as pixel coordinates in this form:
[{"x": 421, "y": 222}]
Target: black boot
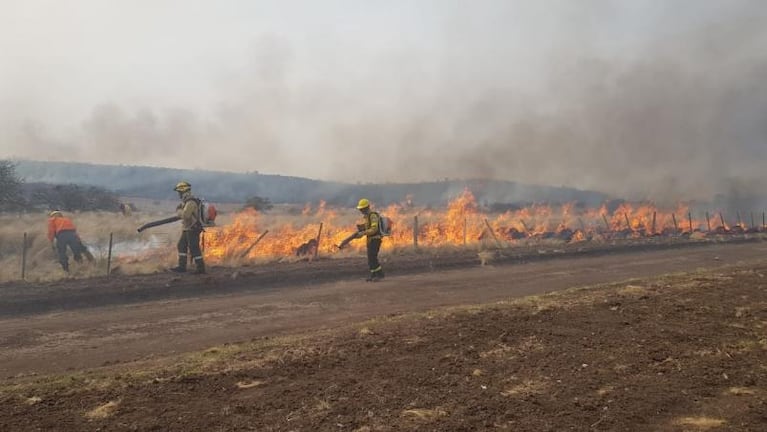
[
  {"x": 199, "y": 266},
  {"x": 181, "y": 267},
  {"x": 375, "y": 276}
]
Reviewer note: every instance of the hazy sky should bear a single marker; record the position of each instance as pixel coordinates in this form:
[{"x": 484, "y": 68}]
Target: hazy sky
[{"x": 642, "y": 98}]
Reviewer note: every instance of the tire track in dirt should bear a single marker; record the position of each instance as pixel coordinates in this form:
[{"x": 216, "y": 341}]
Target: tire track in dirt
[
  {"x": 92, "y": 337},
  {"x": 20, "y": 298}
]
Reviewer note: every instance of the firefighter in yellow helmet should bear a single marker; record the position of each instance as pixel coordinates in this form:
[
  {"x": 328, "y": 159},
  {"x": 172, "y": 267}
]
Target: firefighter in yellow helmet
[
  {"x": 191, "y": 225},
  {"x": 370, "y": 228}
]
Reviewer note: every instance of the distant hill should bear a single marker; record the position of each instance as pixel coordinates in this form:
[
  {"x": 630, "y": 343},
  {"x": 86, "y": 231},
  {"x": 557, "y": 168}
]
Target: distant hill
[{"x": 157, "y": 183}]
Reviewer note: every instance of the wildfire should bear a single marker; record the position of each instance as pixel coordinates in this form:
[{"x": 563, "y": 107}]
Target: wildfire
[{"x": 462, "y": 223}]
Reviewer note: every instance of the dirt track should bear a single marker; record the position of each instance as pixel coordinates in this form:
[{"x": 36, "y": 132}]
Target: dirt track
[
  {"x": 91, "y": 337},
  {"x": 19, "y": 298}
]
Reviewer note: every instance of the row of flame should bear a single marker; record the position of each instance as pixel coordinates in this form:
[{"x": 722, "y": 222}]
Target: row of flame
[{"x": 462, "y": 223}]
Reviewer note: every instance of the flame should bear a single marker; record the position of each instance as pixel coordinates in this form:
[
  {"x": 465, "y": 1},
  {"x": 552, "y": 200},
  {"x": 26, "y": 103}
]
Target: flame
[{"x": 461, "y": 223}]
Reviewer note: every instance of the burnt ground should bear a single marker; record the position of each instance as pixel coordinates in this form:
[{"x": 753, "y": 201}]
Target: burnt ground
[
  {"x": 681, "y": 352},
  {"x": 21, "y": 298}
]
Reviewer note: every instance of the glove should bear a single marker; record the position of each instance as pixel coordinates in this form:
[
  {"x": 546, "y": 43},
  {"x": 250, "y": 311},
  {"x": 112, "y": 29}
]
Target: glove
[{"x": 359, "y": 234}]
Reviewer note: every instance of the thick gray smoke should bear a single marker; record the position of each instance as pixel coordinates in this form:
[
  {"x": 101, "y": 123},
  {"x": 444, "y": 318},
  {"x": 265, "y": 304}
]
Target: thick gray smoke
[{"x": 658, "y": 100}]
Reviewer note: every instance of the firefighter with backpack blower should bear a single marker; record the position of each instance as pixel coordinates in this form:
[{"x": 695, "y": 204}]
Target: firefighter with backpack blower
[
  {"x": 190, "y": 213},
  {"x": 374, "y": 227}
]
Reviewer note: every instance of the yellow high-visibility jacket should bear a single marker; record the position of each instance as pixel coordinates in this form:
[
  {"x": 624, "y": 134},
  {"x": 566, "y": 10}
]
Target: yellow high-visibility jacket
[
  {"x": 189, "y": 213},
  {"x": 371, "y": 221}
]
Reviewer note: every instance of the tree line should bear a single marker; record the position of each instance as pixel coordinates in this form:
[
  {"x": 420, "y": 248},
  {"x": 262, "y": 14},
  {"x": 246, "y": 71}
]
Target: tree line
[
  {"x": 16, "y": 195},
  {"x": 230, "y": 187}
]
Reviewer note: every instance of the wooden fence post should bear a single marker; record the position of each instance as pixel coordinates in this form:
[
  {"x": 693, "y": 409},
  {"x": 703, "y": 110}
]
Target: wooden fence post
[
  {"x": 247, "y": 251},
  {"x": 109, "y": 256},
  {"x": 689, "y": 219},
  {"x": 524, "y": 225},
  {"x": 497, "y": 242},
  {"x": 24, "y": 259},
  {"x": 415, "y": 231},
  {"x": 317, "y": 248}
]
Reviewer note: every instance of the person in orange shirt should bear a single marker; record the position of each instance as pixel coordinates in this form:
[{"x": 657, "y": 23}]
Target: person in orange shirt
[{"x": 62, "y": 234}]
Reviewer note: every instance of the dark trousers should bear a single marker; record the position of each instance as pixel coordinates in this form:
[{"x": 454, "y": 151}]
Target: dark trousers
[
  {"x": 68, "y": 239},
  {"x": 189, "y": 243},
  {"x": 374, "y": 246}
]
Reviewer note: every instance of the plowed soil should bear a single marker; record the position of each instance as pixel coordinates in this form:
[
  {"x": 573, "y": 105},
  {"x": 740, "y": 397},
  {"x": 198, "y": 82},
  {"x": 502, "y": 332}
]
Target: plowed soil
[{"x": 656, "y": 353}]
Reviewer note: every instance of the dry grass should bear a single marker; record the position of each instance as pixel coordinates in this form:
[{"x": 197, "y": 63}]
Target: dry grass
[
  {"x": 365, "y": 331},
  {"x": 288, "y": 226},
  {"x": 154, "y": 249},
  {"x": 603, "y": 391},
  {"x": 94, "y": 228},
  {"x": 34, "y": 400},
  {"x": 424, "y": 414},
  {"x": 633, "y": 290},
  {"x": 103, "y": 411},
  {"x": 248, "y": 384},
  {"x": 741, "y": 391},
  {"x": 701, "y": 423},
  {"x": 486, "y": 257},
  {"x": 527, "y": 387},
  {"x": 322, "y": 405}
]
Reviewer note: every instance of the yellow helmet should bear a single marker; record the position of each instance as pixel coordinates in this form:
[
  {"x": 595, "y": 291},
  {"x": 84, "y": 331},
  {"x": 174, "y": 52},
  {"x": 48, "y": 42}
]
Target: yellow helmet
[
  {"x": 182, "y": 187},
  {"x": 363, "y": 204},
  {"x": 55, "y": 213}
]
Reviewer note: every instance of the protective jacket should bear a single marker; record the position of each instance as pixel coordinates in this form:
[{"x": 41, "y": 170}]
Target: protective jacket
[
  {"x": 189, "y": 212},
  {"x": 371, "y": 222},
  {"x": 59, "y": 224}
]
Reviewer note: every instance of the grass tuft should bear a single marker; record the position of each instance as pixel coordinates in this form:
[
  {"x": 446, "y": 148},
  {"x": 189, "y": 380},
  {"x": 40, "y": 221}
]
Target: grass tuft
[{"x": 103, "y": 411}]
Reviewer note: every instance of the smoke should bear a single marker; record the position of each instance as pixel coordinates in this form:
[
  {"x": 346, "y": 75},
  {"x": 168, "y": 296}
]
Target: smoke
[
  {"x": 681, "y": 118},
  {"x": 643, "y": 100}
]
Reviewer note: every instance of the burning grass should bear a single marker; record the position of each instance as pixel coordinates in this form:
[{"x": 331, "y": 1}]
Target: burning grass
[{"x": 249, "y": 237}]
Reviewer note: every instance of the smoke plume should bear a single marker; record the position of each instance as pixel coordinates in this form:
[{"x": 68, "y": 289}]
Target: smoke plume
[{"x": 643, "y": 100}]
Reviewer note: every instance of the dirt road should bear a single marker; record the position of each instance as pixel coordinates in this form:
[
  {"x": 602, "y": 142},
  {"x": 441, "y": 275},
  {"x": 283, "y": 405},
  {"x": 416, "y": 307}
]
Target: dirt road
[{"x": 91, "y": 337}]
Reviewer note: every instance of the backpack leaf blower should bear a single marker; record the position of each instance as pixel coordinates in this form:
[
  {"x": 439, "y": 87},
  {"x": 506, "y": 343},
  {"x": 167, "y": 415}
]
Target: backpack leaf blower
[{"x": 158, "y": 223}]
